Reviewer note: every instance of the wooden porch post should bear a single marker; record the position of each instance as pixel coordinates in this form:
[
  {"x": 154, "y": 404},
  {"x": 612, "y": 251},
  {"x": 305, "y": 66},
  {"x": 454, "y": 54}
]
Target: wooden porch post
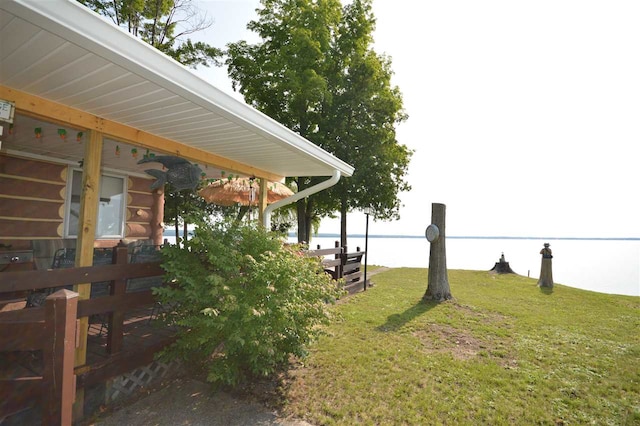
[
  {"x": 88, "y": 218},
  {"x": 60, "y": 322},
  {"x": 262, "y": 202},
  {"x": 157, "y": 216}
]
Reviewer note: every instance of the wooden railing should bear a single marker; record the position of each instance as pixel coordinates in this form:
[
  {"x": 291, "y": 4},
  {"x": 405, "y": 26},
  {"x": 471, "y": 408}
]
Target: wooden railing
[
  {"x": 39, "y": 328},
  {"x": 51, "y": 329},
  {"x": 343, "y": 264}
]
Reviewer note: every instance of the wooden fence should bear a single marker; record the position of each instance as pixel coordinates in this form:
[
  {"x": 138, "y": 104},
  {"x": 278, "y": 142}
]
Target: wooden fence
[
  {"x": 343, "y": 264},
  {"x": 52, "y": 329}
]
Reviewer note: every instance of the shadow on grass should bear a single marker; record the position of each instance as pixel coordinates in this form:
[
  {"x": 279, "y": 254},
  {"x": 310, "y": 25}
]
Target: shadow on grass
[
  {"x": 546, "y": 290},
  {"x": 396, "y": 321}
]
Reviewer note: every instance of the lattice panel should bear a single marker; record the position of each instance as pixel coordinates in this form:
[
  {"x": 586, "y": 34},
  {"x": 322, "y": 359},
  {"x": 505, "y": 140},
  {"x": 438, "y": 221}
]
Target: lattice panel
[{"x": 128, "y": 384}]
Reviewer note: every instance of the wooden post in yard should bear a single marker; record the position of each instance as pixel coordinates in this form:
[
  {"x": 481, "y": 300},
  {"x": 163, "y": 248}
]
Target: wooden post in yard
[
  {"x": 339, "y": 268},
  {"x": 59, "y": 381},
  {"x": 438, "y": 286}
]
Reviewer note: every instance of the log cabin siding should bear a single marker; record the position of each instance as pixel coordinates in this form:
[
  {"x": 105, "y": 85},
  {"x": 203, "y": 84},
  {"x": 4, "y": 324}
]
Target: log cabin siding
[
  {"x": 11, "y": 187},
  {"x": 15, "y": 229},
  {"x": 31, "y": 199},
  {"x": 27, "y": 168},
  {"x": 139, "y": 208},
  {"x": 32, "y": 203},
  {"x": 140, "y": 199}
]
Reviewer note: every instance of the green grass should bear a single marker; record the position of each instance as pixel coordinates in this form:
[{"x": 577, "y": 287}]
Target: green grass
[{"x": 503, "y": 352}]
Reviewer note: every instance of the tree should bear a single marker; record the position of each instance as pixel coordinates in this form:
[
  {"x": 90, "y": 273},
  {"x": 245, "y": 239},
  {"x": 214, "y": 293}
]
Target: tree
[
  {"x": 315, "y": 72},
  {"x": 164, "y": 24},
  {"x": 438, "y": 285},
  {"x": 180, "y": 205},
  {"x": 361, "y": 121}
]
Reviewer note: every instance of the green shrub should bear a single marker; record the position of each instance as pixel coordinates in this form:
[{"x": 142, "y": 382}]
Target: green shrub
[{"x": 244, "y": 301}]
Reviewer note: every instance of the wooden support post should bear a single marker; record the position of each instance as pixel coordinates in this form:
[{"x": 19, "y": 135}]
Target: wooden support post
[
  {"x": 115, "y": 333},
  {"x": 88, "y": 218},
  {"x": 157, "y": 216},
  {"x": 59, "y": 381}
]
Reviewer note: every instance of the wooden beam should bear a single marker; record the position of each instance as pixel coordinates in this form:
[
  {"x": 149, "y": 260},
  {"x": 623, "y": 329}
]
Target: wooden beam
[
  {"x": 52, "y": 111},
  {"x": 88, "y": 218}
]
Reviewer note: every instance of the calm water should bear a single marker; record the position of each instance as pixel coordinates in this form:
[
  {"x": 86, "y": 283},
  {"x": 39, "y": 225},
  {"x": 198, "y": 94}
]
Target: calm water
[{"x": 606, "y": 266}]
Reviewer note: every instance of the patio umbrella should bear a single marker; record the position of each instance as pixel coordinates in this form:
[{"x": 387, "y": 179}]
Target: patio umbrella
[{"x": 243, "y": 191}]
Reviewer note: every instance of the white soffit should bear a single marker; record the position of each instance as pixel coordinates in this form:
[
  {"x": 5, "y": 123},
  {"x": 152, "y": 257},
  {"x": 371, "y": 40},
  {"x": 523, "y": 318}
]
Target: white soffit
[{"x": 61, "y": 51}]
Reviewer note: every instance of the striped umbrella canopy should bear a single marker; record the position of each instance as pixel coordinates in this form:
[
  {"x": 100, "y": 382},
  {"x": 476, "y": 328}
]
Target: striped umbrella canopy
[{"x": 243, "y": 191}]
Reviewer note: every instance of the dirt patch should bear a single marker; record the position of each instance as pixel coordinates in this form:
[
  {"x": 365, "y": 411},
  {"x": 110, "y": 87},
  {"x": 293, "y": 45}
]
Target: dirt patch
[
  {"x": 462, "y": 345},
  {"x": 443, "y": 338}
]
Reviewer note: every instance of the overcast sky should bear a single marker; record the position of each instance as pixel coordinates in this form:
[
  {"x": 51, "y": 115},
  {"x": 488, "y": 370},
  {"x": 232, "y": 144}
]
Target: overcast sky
[{"x": 524, "y": 116}]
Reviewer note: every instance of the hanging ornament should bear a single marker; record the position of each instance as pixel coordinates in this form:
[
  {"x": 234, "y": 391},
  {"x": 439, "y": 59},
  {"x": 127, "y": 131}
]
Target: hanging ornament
[
  {"x": 79, "y": 136},
  {"x": 62, "y": 133},
  {"x": 134, "y": 152},
  {"x": 117, "y": 150}
]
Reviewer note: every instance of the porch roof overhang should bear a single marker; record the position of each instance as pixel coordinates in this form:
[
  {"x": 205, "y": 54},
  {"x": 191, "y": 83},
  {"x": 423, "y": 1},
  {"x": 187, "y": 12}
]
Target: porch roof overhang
[{"x": 61, "y": 61}]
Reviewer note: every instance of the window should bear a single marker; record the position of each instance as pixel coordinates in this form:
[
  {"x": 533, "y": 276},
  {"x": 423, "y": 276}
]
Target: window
[{"x": 111, "y": 208}]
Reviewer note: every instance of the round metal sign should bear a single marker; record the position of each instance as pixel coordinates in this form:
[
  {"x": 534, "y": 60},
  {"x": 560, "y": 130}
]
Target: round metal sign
[{"x": 432, "y": 233}]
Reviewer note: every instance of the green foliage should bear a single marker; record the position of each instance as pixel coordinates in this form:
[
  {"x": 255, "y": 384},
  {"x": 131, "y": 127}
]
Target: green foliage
[
  {"x": 315, "y": 72},
  {"x": 244, "y": 301},
  {"x": 164, "y": 24}
]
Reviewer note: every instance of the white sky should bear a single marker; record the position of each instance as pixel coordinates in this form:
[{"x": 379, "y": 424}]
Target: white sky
[{"x": 524, "y": 116}]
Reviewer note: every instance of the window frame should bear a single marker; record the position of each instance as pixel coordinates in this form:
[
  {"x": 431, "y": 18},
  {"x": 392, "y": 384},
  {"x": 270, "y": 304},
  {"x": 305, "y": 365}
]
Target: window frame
[{"x": 68, "y": 204}]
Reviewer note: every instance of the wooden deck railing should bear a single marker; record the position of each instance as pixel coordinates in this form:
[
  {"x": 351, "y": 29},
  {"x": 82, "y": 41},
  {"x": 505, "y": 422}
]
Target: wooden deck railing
[
  {"x": 51, "y": 329},
  {"x": 345, "y": 265},
  {"x": 43, "y": 328}
]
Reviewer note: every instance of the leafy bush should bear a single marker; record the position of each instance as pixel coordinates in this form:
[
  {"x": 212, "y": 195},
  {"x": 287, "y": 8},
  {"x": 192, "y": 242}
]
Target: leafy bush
[{"x": 243, "y": 299}]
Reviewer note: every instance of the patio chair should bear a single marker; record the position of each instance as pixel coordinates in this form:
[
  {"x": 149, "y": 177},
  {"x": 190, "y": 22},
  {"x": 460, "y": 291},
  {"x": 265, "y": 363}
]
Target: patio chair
[{"x": 66, "y": 258}]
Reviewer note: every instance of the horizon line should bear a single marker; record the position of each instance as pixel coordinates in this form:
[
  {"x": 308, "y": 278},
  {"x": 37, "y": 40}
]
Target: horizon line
[
  {"x": 171, "y": 233},
  {"x": 472, "y": 237}
]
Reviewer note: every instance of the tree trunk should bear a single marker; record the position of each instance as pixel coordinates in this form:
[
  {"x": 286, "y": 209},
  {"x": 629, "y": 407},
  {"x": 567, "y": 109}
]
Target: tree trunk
[
  {"x": 308, "y": 222},
  {"x": 438, "y": 286},
  {"x": 546, "y": 274},
  {"x": 177, "y": 228},
  {"x": 302, "y": 225},
  {"x": 184, "y": 230}
]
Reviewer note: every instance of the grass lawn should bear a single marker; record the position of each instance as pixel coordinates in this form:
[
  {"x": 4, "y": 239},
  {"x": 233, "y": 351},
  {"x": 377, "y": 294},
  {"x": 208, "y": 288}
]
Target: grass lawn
[{"x": 503, "y": 352}]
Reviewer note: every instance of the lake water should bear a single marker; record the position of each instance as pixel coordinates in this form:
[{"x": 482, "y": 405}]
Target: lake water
[{"x": 605, "y": 266}]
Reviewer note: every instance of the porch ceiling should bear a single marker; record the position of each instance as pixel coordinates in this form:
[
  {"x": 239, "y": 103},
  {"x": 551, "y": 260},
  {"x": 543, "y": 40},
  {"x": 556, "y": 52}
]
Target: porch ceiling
[{"x": 62, "y": 52}]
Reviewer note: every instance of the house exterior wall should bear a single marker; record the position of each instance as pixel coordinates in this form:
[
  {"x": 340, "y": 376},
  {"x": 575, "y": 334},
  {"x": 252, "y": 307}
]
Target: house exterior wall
[{"x": 32, "y": 207}]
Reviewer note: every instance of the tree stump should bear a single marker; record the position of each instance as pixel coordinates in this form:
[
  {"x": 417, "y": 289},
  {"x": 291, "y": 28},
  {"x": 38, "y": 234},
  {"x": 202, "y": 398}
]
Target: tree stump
[
  {"x": 546, "y": 273},
  {"x": 438, "y": 284},
  {"x": 502, "y": 267}
]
